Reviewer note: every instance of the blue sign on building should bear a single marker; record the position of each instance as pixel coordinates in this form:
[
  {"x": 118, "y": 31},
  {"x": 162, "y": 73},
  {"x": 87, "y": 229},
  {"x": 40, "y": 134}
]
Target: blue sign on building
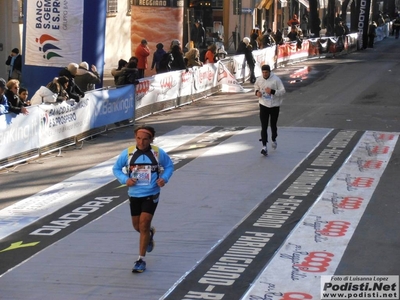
[{"x": 247, "y": 10}]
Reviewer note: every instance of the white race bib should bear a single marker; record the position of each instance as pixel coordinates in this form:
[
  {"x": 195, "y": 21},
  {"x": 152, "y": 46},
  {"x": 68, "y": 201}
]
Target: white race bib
[{"x": 142, "y": 174}]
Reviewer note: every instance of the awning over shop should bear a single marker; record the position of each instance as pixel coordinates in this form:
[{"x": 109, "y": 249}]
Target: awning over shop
[
  {"x": 264, "y": 4},
  {"x": 305, "y": 3}
]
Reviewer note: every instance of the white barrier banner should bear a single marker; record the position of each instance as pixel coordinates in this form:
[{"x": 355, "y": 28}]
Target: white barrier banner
[
  {"x": 187, "y": 81},
  {"x": 54, "y": 32},
  {"x": 227, "y": 81},
  {"x": 262, "y": 57},
  {"x": 19, "y": 133},
  {"x": 157, "y": 88},
  {"x": 205, "y": 78},
  {"x": 58, "y": 122}
]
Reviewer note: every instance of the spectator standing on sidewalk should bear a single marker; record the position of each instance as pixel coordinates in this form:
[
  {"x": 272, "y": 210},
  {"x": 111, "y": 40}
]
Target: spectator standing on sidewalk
[
  {"x": 142, "y": 52},
  {"x": 157, "y": 57},
  {"x": 371, "y": 34},
  {"x": 246, "y": 49},
  {"x": 178, "y": 62},
  {"x": 269, "y": 89},
  {"x": 198, "y": 35},
  {"x": 122, "y": 63},
  {"x": 138, "y": 167},
  {"x": 14, "y": 61}
]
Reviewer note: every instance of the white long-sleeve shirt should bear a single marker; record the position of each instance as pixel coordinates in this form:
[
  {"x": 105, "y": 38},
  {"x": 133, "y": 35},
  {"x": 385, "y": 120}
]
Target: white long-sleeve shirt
[{"x": 274, "y": 83}]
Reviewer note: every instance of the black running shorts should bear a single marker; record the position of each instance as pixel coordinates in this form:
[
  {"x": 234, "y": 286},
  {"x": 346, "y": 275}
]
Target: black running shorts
[{"x": 143, "y": 204}]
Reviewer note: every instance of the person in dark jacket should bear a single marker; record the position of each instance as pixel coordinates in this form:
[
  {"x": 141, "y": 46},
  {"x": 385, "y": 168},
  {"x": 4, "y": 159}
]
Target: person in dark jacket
[
  {"x": 157, "y": 57},
  {"x": 267, "y": 39},
  {"x": 122, "y": 63},
  {"x": 59, "y": 86},
  {"x": 198, "y": 35},
  {"x": 178, "y": 63},
  {"x": 130, "y": 74},
  {"x": 87, "y": 79},
  {"x": 14, "y": 60},
  {"x": 372, "y": 34},
  {"x": 74, "y": 92},
  {"x": 15, "y": 104},
  {"x": 246, "y": 49}
]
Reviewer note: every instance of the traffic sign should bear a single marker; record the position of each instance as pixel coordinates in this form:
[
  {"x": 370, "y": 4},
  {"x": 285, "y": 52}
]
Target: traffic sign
[{"x": 247, "y": 10}]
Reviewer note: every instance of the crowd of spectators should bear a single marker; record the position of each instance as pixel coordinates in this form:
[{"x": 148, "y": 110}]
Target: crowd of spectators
[
  {"x": 74, "y": 80},
  {"x": 70, "y": 85}
]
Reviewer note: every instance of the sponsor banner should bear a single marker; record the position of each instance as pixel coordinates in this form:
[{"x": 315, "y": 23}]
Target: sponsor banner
[
  {"x": 262, "y": 57},
  {"x": 324, "y": 45},
  {"x": 382, "y": 32},
  {"x": 65, "y": 120},
  {"x": 362, "y": 10},
  {"x": 290, "y": 51},
  {"x": 19, "y": 133},
  {"x": 187, "y": 82},
  {"x": 318, "y": 243},
  {"x": 50, "y": 123},
  {"x": 110, "y": 106},
  {"x": 359, "y": 287},
  {"x": 227, "y": 81},
  {"x": 54, "y": 32},
  {"x": 352, "y": 41},
  {"x": 313, "y": 46},
  {"x": 206, "y": 77},
  {"x": 242, "y": 71},
  {"x": 158, "y": 88}
]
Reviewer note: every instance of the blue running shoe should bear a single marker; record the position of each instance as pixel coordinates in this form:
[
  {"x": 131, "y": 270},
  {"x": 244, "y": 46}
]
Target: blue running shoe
[
  {"x": 151, "y": 244},
  {"x": 140, "y": 266}
]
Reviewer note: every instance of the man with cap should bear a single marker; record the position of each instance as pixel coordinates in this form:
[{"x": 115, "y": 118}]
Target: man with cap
[
  {"x": 87, "y": 79},
  {"x": 198, "y": 35},
  {"x": 3, "y": 99},
  {"x": 269, "y": 89},
  {"x": 14, "y": 60},
  {"x": 142, "y": 52},
  {"x": 139, "y": 168}
]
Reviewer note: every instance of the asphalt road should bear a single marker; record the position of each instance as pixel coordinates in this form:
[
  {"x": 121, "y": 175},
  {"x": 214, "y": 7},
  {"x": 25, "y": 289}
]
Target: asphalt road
[{"x": 358, "y": 91}]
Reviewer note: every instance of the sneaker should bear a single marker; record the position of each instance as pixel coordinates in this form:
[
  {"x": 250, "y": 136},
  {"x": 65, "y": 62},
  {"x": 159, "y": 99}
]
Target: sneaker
[
  {"x": 264, "y": 151},
  {"x": 140, "y": 266},
  {"x": 274, "y": 145},
  {"x": 151, "y": 244}
]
